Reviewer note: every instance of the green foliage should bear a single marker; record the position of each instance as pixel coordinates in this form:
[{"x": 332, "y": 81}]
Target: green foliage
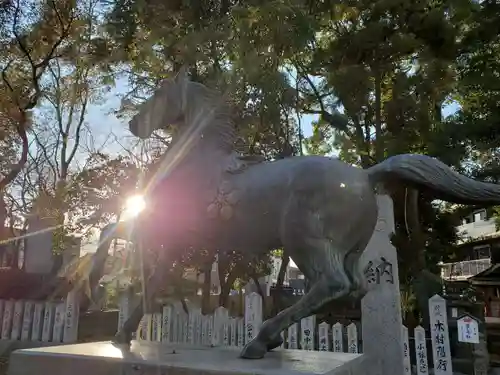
[
  {"x": 97, "y": 194},
  {"x": 478, "y": 92}
]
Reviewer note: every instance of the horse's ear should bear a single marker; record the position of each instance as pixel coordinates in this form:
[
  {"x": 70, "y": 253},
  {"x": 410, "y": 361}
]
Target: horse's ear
[{"x": 182, "y": 74}]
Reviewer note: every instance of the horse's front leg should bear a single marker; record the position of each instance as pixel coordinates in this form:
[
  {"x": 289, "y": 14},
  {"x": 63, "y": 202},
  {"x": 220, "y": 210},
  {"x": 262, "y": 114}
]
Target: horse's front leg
[{"x": 124, "y": 336}]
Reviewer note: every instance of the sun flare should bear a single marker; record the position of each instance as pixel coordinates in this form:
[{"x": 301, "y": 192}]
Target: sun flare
[{"x": 133, "y": 207}]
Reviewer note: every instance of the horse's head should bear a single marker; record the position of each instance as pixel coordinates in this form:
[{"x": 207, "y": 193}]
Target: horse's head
[{"x": 165, "y": 107}]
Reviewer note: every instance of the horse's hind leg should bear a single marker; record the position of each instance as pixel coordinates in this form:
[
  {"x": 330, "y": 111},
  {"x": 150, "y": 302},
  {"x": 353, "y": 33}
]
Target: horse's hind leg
[{"x": 329, "y": 282}]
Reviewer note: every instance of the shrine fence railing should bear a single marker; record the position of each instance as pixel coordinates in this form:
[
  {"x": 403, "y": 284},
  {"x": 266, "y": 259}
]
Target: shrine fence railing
[
  {"x": 173, "y": 325},
  {"x": 40, "y": 321}
]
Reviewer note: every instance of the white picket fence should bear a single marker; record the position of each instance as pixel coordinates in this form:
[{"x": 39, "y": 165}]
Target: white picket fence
[
  {"x": 173, "y": 325},
  {"x": 39, "y": 321}
]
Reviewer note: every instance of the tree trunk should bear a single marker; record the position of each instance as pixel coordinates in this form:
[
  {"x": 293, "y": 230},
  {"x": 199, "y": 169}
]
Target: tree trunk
[
  {"x": 285, "y": 260},
  {"x": 225, "y": 287},
  {"x": 206, "y": 288},
  {"x": 3, "y": 231},
  {"x": 277, "y": 299},
  {"x": 379, "y": 143},
  {"x": 17, "y": 168},
  {"x": 417, "y": 237}
]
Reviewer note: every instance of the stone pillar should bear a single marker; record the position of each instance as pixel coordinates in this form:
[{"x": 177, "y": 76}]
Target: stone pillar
[
  {"x": 381, "y": 307},
  {"x": 38, "y": 256}
]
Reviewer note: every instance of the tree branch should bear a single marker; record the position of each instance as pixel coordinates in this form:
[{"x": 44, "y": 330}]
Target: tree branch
[{"x": 37, "y": 70}]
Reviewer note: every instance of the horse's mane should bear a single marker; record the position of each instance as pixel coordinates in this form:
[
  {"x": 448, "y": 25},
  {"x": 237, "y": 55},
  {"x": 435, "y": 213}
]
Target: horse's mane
[{"x": 220, "y": 129}]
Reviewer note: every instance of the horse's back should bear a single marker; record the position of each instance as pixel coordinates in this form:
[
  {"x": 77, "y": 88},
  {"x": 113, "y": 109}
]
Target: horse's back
[
  {"x": 328, "y": 199},
  {"x": 286, "y": 190},
  {"x": 309, "y": 173}
]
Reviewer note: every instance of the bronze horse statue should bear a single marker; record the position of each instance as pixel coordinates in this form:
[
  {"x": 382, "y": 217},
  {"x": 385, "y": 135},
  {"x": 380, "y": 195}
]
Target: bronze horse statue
[{"x": 322, "y": 211}]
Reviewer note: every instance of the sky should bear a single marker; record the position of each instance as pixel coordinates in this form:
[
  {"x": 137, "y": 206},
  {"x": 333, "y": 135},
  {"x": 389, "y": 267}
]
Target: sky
[{"x": 103, "y": 121}]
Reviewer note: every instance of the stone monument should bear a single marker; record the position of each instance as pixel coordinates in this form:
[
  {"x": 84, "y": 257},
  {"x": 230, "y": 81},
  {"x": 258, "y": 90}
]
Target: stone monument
[
  {"x": 381, "y": 317},
  {"x": 38, "y": 257}
]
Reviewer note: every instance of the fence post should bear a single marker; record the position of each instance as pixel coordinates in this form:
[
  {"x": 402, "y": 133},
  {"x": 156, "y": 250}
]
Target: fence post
[
  {"x": 221, "y": 315},
  {"x": 440, "y": 337},
  {"x": 58, "y": 331},
  {"x": 27, "y": 320},
  {"x": 72, "y": 314},
  {"x": 292, "y": 336},
  {"x": 406, "y": 351},
  {"x": 421, "y": 351},
  {"x": 232, "y": 332},
  {"x": 38, "y": 313},
  {"x": 17, "y": 320},
  {"x": 308, "y": 329},
  {"x": 166, "y": 333},
  {"x": 157, "y": 323},
  {"x": 352, "y": 338},
  {"x": 323, "y": 335},
  {"x": 48, "y": 321},
  {"x": 2, "y": 305},
  {"x": 123, "y": 309},
  {"x": 338, "y": 338},
  {"x": 197, "y": 325},
  {"x": 7, "y": 319},
  {"x": 253, "y": 315},
  {"x": 241, "y": 332}
]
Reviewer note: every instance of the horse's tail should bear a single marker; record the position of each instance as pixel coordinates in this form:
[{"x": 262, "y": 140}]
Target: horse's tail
[{"x": 430, "y": 174}]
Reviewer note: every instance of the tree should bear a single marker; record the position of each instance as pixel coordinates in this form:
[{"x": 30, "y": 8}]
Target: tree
[
  {"x": 234, "y": 267},
  {"x": 29, "y": 40},
  {"x": 24, "y": 62},
  {"x": 98, "y": 193},
  {"x": 474, "y": 125},
  {"x": 72, "y": 83}
]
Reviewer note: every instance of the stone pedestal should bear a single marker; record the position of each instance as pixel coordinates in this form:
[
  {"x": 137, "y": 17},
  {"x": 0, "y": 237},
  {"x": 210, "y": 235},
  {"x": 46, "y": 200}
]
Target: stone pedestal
[
  {"x": 153, "y": 358},
  {"x": 38, "y": 256},
  {"x": 381, "y": 308}
]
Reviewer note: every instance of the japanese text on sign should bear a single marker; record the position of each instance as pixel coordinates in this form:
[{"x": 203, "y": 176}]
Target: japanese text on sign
[
  {"x": 468, "y": 330},
  {"x": 439, "y": 336},
  {"x": 421, "y": 351},
  {"x": 378, "y": 273}
]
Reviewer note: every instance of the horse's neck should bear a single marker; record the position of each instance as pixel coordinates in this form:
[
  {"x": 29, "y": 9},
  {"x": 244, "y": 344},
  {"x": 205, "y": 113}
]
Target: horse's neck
[
  {"x": 203, "y": 159},
  {"x": 212, "y": 119},
  {"x": 207, "y": 160},
  {"x": 205, "y": 146}
]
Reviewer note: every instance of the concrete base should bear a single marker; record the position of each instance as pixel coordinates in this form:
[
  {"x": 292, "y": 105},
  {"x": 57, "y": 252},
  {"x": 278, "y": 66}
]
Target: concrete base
[
  {"x": 8, "y": 346},
  {"x": 151, "y": 358}
]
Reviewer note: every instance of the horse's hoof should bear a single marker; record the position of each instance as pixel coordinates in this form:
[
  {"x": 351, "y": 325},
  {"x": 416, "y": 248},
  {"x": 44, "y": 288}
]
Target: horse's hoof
[
  {"x": 254, "y": 350},
  {"x": 276, "y": 343},
  {"x": 122, "y": 339}
]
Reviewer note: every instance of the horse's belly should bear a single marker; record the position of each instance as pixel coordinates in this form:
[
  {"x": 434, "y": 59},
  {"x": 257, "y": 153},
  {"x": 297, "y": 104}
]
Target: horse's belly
[{"x": 251, "y": 231}]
